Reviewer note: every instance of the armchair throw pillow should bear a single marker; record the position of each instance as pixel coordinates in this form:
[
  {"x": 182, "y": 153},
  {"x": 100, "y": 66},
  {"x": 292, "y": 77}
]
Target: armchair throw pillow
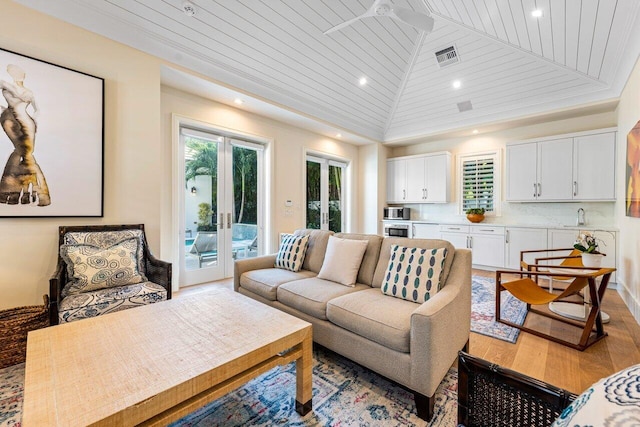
[
  {"x": 91, "y": 268},
  {"x": 414, "y": 274},
  {"x": 342, "y": 260},
  {"x": 291, "y": 252}
]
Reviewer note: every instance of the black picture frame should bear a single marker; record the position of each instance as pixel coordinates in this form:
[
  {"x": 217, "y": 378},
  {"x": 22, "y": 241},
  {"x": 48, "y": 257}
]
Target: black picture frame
[{"x": 51, "y": 139}]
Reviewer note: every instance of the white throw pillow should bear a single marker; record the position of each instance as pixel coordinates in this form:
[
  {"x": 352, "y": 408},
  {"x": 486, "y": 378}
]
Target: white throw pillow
[
  {"x": 291, "y": 252},
  {"x": 414, "y": 274},
  {"x": 342, "y": 260}
]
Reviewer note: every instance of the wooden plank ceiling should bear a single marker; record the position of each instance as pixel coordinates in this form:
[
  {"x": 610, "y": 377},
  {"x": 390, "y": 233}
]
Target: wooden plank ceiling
[{"x": 511, "y": 63}]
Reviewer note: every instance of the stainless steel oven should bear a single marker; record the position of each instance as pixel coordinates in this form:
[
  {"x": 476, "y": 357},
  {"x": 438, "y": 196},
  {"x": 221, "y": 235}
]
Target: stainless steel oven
[{"x": 397, "y": 229}]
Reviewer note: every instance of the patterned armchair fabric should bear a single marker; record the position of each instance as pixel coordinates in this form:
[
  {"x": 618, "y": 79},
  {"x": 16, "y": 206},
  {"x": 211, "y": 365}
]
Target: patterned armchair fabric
[{"x": 103, "y": 269}]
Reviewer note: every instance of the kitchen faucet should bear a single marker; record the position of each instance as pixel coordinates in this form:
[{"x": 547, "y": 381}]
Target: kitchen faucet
[{"x": 580, "y": 219}]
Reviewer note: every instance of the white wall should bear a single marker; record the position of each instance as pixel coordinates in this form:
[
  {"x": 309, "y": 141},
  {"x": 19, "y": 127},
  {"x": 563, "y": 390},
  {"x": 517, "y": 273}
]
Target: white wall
[
  {"x": 289, "y": 145},
  {"x": 372, "y": 187},
  {"x": 133, "y": 148},
  {"x": 629, "y": 245},
  {"x": 514, "y": 213}
]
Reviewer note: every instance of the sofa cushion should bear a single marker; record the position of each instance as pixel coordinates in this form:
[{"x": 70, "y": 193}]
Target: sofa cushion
[
  {"x": 103, "y": 301},
  {"x": 316, "y": 248},
  {"x": 385, "y": 254},
  {"x": 292, "y": 251},
  {"x": 92, "y": 268},
  {"x": 371, "y": 255},
  {"x": 374, "y": 316},
  {"x": 265, "y": 282},
  {"x": 414, "y": 274},
  {"x": 342, "y": 260},
  {"x": 311, "y": 295}
]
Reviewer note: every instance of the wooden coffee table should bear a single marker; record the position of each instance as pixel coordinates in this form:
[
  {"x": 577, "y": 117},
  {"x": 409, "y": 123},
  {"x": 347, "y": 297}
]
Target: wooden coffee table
[{"x": 154, "y": 364}]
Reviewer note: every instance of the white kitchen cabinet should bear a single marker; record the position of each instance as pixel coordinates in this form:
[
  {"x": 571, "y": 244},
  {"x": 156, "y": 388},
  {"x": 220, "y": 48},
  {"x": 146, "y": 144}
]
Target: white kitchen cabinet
[
  {"x": 571, "y": 167},
  {"x": 540, "y": 171},
  {"x": 565, "y": 238},
  {"x": 594, "y": 164},
  {"x": 419, "y": 179},
  {"x": 426, "y": 231},
  {"x": 396, "y": 180},
  {"x": 485, "y": 241},
  {"x": 519, "y": 239}
]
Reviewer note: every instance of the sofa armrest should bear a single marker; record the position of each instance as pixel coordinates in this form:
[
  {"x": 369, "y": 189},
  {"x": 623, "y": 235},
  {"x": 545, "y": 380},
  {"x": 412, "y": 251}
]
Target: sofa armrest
[
  {"x": 441, "y": 326},
  {"x": 159, "y": 272},
  {"x": 243, "y": 265}
]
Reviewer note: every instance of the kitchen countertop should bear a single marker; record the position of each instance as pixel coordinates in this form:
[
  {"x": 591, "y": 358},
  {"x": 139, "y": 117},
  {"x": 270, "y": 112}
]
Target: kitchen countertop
[{"x": 586, "y": 227}]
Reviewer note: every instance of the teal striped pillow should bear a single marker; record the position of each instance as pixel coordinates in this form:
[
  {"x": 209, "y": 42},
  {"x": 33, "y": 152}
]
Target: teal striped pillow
[
  {"x": 291, "y": 252},
  {"x": 414, "y": 274}
]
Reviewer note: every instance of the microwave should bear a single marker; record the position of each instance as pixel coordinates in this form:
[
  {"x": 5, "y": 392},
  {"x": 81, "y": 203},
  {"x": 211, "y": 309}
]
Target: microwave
[{"x": 396, "y": 213}]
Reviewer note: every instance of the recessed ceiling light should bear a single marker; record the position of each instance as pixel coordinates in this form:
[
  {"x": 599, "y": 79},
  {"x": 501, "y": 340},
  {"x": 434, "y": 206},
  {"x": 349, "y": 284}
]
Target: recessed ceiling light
[
  {"x": 475, "y": 131},
  {"x": 456, "y": 84},
  {"x": 362, "y": 81},
  {"x": 537, "y": 13},
  {"x": 338, "y": 135},
  {"x": 238, "y": 101}
]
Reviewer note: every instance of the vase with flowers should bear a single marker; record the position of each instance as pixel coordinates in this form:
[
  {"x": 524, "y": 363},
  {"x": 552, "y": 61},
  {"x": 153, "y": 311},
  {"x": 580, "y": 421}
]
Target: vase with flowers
[{"x": 588, "y": 245}]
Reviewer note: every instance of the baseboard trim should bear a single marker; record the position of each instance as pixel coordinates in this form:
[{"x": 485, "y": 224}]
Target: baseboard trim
[{"x": 630, "y": 301}]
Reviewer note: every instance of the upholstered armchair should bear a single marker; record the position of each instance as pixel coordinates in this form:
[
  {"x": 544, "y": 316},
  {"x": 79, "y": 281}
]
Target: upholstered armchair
[{"x": 103, "y": 269}]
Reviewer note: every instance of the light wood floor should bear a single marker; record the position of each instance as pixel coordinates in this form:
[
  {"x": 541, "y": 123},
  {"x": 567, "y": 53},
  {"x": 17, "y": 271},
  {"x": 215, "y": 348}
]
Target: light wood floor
[{"x": 545, "y": 360}]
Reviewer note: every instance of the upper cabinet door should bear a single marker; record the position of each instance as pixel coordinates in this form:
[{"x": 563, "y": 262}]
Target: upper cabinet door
[
  {"x": 415, "y": 180},
  {"x": 555, "y": 169},
  {"x": 438, "y": 172},
  {"x": 521, "y": 172},
  {"x": 594, "y": 167},
  {"x": 396, "y": 181}
]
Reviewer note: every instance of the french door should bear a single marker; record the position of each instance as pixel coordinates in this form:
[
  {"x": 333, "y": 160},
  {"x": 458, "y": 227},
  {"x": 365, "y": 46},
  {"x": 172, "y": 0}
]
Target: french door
[
  {"x": 221, "y": 215},
  {"x": 325, "y": 194}
]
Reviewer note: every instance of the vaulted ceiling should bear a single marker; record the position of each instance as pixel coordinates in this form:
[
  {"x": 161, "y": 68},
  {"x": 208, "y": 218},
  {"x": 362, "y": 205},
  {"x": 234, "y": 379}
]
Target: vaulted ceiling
[{"x": 511, "y": 65}]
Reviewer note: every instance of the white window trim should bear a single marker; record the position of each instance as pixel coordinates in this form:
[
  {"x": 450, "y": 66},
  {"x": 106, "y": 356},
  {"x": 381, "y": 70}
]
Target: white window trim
[{"x": 497, "y": 179}]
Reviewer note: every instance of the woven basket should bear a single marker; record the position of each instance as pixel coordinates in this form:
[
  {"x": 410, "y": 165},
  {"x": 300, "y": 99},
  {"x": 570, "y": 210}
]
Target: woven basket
[{"x": 15, "y": 323}]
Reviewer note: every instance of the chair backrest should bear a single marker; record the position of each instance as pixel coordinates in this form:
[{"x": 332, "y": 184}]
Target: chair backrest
[{"x": 205, "y": 241}]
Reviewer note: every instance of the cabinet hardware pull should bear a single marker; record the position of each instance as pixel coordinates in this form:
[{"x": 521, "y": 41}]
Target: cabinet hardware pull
[
  {"x": 426, "y": 194},
  {"x": 470, "y": 242},
  {"x": 454, "y": 228},
  {"x": 539, "y": 189},
  {"x": 404, "y": 194},
  {"x": 506, "y": 239},
  {"x": 535, "y": 188},
  {"x": 229, "y": 220},
  {"x": 413, "y": 230},
  {"x": 486, "y": 229},
  {"x": 575, "y": 188}
]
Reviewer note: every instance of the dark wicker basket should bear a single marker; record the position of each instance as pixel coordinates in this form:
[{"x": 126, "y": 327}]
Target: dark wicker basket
[{"x": 15, "y": 323}]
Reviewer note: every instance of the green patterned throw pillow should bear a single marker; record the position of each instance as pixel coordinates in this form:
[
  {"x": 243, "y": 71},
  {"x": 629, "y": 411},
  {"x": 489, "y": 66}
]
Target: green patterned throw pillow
[
  {"x": 93, "y": 268},
  {"x": 291, "y": 252},
  {"x": 414, "y": 274}
]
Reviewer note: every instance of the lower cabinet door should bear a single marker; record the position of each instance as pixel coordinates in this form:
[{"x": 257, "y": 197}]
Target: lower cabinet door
[
  {"x": 487, "y": 250},
  {"x": 524, "y": 239},
  {"x": 458, "y": 240}
]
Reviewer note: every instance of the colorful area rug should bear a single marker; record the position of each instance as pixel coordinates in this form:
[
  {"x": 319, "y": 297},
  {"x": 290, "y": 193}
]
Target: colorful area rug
[
  {"x": 483, "y": 304},
  {"x": 344, "y": 394}
]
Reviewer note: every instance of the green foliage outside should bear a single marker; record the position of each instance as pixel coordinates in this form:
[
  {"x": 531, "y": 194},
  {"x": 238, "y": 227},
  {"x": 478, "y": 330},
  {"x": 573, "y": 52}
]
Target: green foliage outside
[{"x": 204, "y": 217}]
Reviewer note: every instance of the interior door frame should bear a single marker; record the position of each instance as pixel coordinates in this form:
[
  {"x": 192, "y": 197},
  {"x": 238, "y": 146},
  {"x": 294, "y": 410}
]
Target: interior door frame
[{"x": 266, "y": 235}]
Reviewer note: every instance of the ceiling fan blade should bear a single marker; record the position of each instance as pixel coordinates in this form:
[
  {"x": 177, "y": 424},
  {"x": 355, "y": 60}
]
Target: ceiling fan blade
[
  {"x": 369, "y": 12},
  {"x": 415, "y": 19}
]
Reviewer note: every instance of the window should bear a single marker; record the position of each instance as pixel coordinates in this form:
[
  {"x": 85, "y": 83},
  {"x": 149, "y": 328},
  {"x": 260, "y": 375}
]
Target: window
[
  {"x": 325, "y": 194},
  {"x": 479, "y": 182}
]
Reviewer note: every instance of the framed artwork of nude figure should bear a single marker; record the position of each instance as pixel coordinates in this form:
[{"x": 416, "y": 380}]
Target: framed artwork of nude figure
[{"x": 51, "y": 139}]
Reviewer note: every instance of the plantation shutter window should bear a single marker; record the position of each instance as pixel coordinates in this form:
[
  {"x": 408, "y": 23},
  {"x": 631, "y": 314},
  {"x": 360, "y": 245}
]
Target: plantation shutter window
[{"x": 478, "y": 180}]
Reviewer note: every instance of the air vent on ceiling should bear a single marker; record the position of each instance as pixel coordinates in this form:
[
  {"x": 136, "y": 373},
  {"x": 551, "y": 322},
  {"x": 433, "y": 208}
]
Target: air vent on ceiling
[
  {"x": 464, "y": 106},
  {"x": 447, "y": 56}
]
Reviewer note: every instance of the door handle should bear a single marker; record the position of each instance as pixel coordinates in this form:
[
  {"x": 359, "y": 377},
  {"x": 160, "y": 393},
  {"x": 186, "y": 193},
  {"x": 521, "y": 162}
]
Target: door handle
[
  {"x": 229, "y": 220},
  {"x": 221, "y": 223}
]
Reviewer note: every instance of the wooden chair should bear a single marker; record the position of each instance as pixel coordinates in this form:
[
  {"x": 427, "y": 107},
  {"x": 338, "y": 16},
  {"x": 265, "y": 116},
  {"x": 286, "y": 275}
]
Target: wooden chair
[
  {"x": 66, "y": 306},
  {"x": 527, "y": 290}
]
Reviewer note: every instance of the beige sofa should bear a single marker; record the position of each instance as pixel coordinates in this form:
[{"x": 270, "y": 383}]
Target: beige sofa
[{"x": 409, "y": 343}]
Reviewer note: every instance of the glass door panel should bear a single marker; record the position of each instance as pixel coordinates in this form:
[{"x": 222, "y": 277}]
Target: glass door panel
[
  {"x": 335, "y": 198},
  {"x": 245, "y": 199},
  {"x": 314, "y": 205}
]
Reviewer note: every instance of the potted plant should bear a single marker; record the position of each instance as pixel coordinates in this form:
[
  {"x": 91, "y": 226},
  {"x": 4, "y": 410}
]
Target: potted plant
[
  {"x": 588, "y": 245},
  {"x": 475, "y": 214}
]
